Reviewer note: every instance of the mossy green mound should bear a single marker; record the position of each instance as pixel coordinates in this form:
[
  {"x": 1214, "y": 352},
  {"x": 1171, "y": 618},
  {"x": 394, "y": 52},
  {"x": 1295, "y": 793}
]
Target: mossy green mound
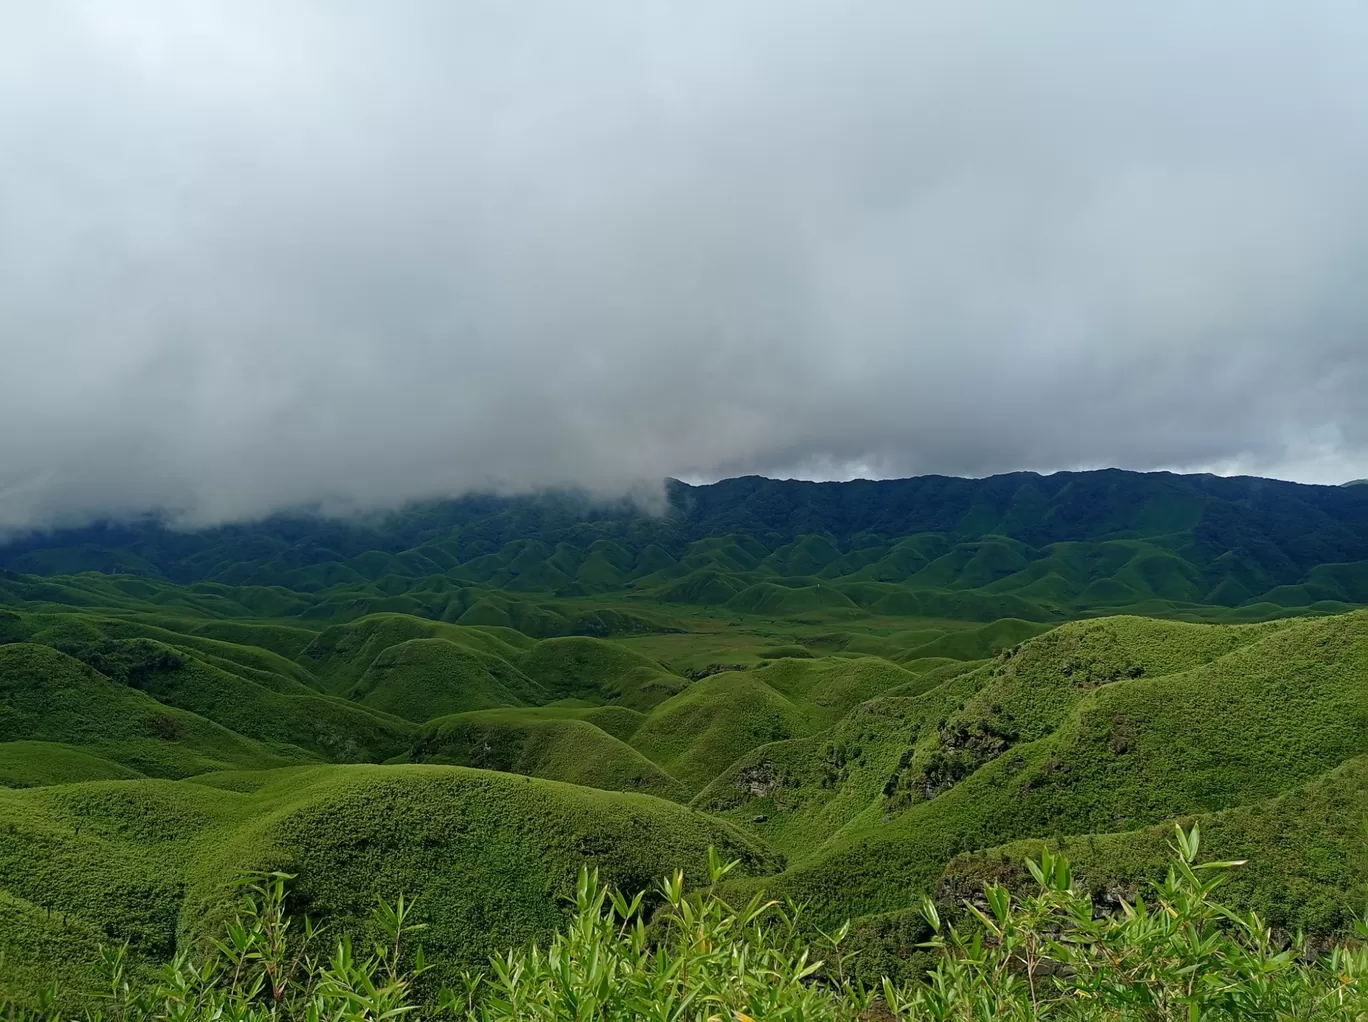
[
  {"x": 716, "y": 720},
  {"x": 489, "y": 856},
  {"x": 581, "y": 667},
  {"x": 564, "y": 749},
  {"x": 420, "y": 679},
  {"x": 47, "y": 696},
  {"x": 32, "y": 764}
]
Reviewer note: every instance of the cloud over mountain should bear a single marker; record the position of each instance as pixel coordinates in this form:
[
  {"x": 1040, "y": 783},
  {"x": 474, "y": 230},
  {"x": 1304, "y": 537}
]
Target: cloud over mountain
[{"x": 259, "y": 254}]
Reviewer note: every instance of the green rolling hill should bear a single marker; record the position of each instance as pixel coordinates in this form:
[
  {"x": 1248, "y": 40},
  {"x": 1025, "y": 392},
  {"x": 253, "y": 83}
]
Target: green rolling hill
[{"x": 869, "y": 692}]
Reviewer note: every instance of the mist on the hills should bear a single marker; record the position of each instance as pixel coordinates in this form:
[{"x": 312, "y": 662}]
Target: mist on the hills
[{"x": 255, "y": 255}]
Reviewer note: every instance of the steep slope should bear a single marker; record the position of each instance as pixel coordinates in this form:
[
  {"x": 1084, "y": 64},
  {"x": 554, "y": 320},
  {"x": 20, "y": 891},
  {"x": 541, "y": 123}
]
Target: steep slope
[
  {"x": 1306, "y": 861},
  {"x": 696, "y": 733},
  {"x": 47, "y": 696},
  {"x": 796, "y": 793},
  {"x": 1259, "y": 720}
]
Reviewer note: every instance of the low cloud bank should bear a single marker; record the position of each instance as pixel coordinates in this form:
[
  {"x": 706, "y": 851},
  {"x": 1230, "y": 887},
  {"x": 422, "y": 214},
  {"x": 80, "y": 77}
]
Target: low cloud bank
[{"x": 257, "y": 255}]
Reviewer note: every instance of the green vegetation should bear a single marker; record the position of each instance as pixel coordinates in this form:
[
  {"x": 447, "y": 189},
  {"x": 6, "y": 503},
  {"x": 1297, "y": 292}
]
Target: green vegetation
[
  {"x": 1177, "y": 954},
  {"x": 870, "y": 694},
  {"x": 563, "y": 748},
  {"x": 1035, "y": 548},
  {"x": 53, "y": 698},
  {"x": 33, "y": 764},
  {"x": 489, "y": 853},
  {"x": 424, "y": 678}
]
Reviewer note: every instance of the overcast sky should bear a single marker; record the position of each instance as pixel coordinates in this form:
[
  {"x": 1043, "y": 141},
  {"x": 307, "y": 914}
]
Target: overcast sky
[{"x": 261, "y": 254}]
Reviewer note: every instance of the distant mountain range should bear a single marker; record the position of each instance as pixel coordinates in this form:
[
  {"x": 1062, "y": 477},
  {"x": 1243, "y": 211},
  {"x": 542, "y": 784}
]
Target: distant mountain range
[{"x": 1020, "y": 545}]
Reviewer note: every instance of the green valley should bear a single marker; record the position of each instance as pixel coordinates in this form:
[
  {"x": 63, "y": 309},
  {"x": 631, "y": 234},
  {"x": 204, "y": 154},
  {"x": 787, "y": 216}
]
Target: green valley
[{"x": 865, "y": 693}]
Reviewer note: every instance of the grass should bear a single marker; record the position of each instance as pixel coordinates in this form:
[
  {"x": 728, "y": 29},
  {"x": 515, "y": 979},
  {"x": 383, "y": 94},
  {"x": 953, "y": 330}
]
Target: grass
[
  {"x": 869, "y": 777},
  {"x": 976, "y": 643},
  {"x": 47, "y": 696},
  {"x": 1310, "y": 874},
  {"x": 419, "y": 679},
  {"x": 1175, "y": 953},
  {"x": 715, "y": 721},
  {"x": 581, "y": 667},
  {"x": 488, "y": 854},
  {"x": 868, "y": 698},
  {"x": 1265, "y": 718},
  {"x": 573, "y": 750},
  {"x": 797, "y": 793},
  {"x": 34, "y": 764}
]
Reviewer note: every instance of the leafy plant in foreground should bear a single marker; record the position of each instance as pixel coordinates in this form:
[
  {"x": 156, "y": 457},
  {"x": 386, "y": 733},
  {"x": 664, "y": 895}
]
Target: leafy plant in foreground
[
  {"x": 1178, "y": 956},
  {"x": 1182, "y": 955},
  {"x": 707, "y": 960}
]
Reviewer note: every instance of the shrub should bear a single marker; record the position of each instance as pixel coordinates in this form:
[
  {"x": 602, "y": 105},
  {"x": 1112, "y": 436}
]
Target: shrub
[{"x": 1181, "y": 955}]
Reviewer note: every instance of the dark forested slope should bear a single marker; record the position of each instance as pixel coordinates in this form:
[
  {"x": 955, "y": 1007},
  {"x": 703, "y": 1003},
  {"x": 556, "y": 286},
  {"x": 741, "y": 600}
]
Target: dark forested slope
[{"x": 1019, "y": 545}]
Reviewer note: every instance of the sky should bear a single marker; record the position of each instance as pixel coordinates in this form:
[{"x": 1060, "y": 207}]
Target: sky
[{"x": 262, "y": 254}]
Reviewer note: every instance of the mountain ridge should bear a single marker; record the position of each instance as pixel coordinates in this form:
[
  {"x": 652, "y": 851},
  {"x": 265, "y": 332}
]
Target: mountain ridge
[{"x": 1024, "y": 544}]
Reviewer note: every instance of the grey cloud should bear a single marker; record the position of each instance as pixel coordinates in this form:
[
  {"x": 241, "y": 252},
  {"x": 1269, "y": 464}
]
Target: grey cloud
[{"x": 258, "y": 254}]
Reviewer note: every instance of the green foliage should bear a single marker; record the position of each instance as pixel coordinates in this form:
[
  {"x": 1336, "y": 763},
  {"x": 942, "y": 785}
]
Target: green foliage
[
  {"x": 1023, "y": 546},
  {"x": 489, "y": 853},
  {"x": 424, "y": 678},
  {"x": 1309, "y": 869},
  {"x": 1178, "y": 954},
  {"x": 47, "y": 696},
  {"x": 573, "y": 750},
  {"x": 871, "y": 693}
]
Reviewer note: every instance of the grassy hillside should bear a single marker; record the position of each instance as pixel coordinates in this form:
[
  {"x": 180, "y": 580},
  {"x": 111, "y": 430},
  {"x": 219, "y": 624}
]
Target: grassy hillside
[
  {"x": 423, "y": 678},
  {"x": 713, "y": 722},
  {"x": 47, "y": 696},
  {"x": 1262, "y": 719},
  {"x": 870, "y": 693},
  {"x": 31, "y": 764},
  {"x": 588, "y": 668},
  {"x": 797, "y": 793},
  {"x": 487, "y": 855},
  {"x": 561, "y": 748},
  {"x": 1310, "y": 871}
]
